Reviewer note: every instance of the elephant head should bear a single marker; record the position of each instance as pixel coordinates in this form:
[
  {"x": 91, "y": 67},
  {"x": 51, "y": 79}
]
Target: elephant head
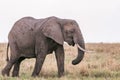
[{"x": 67, "y": 30}]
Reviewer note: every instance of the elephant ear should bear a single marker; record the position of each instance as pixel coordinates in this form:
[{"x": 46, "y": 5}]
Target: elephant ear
[{"x": 53, "y": 31}]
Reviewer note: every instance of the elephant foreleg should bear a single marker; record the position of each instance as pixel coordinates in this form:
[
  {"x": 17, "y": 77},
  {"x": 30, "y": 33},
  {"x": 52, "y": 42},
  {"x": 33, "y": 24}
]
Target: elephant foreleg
[
  {"x": 59, "y": 53},
  {"x": 41, "y": 52},
  {"x": 40, "y": 57},
  {"x": 38, "y": 65},
  {"x": 17, "y": 66}
]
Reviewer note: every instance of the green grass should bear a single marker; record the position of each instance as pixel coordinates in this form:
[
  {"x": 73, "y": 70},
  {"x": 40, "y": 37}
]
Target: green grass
[{"x": 103, "y": 64}]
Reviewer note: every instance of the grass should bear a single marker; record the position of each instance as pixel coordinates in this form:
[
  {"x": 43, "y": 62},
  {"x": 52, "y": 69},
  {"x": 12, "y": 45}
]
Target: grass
[{"x": 103, "y": 64}]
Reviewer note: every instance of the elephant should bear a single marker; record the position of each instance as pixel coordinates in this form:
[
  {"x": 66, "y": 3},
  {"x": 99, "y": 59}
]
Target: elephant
[{"x": 35, "y": 38}]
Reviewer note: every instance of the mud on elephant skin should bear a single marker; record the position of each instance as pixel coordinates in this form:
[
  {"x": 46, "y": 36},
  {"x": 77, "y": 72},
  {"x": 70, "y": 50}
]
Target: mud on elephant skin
[{"x": 35, "y": 38}]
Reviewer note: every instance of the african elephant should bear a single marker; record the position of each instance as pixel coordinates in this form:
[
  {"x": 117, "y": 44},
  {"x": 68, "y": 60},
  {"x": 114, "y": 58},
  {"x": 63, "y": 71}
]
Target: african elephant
[{"x": 35, "y": 38}]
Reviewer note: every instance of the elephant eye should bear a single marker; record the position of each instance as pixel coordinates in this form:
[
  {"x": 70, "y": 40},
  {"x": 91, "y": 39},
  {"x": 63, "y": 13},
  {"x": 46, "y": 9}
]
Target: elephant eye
[
  {"x": 72, "y": 31},
  {"x": 69, "y": 31},
  {"x": 66, "y": 32}
]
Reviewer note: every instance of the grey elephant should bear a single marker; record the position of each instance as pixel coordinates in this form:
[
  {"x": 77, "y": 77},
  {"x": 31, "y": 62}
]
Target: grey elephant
[{"x": 35, "y": 38}]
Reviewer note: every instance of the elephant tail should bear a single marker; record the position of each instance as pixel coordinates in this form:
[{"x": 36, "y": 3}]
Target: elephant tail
[{"x": 7, "y": 52}]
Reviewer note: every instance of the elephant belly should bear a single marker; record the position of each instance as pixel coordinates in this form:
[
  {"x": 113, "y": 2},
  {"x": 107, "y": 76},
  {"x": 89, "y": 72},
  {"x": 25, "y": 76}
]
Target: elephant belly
[{"x": 27, "y": 52}]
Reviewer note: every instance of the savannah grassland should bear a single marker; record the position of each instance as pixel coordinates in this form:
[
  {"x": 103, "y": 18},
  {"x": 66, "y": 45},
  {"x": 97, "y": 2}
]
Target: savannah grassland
[{"x": 102, "y": 64}]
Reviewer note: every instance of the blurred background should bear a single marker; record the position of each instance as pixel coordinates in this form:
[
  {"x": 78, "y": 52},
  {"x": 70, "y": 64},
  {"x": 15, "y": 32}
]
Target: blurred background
[{"x": 99, "y": 20}]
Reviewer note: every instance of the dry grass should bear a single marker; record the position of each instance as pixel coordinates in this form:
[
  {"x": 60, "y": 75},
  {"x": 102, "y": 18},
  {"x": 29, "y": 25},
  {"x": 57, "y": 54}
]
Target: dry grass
[{"x": 103, "y": 64}]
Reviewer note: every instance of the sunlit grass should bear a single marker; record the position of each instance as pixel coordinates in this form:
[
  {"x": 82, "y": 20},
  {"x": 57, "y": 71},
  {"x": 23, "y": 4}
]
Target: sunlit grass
[{"x": 103, "y": 64}]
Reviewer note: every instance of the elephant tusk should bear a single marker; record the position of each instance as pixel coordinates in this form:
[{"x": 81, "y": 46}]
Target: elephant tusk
[{"x": 83, "y": 49}]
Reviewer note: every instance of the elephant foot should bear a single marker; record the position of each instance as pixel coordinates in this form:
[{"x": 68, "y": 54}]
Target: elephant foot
[
  {"x": 5, "y": 72},
  {"x": 15, "y": 74},
  {"x": 60, "y": 75},
  {"x": 34, "y": 75}
]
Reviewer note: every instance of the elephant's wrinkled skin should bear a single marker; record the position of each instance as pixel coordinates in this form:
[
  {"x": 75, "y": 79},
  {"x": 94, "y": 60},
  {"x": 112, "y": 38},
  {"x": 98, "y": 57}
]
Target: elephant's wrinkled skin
[{"x": 35, "y": 38}]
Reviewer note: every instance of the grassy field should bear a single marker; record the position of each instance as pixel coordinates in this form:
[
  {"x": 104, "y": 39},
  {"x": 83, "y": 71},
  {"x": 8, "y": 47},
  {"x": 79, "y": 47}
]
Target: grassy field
[{"x": 103, "y": 64}]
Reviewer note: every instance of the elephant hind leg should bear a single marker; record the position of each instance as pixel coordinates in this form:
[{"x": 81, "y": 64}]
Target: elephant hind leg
[
  {"x": 13, "y": 58},
  {"x": 16, "y": 68},
  {"x": 7, "y": 68}
]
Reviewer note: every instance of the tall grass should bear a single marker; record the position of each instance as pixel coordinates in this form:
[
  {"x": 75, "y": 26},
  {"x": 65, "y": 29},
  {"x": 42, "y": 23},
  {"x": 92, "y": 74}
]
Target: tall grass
[{"x": 103, "y": 64}]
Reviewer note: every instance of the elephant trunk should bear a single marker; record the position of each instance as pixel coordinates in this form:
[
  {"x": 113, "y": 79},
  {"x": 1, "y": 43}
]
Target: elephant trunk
[{"x": 81, "y": 47}]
